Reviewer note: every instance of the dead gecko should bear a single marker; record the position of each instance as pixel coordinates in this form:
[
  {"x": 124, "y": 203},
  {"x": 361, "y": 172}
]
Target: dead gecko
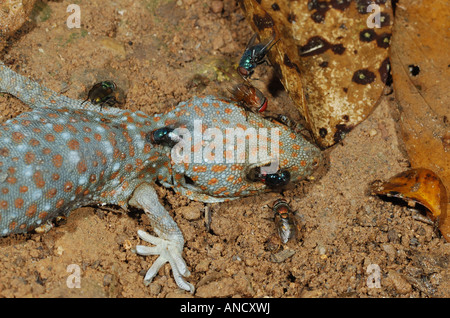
[{"x": 67, "y": 153}]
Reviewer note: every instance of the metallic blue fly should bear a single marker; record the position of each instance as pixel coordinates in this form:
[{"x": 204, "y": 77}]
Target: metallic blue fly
[{"x": 254, "y": 55}]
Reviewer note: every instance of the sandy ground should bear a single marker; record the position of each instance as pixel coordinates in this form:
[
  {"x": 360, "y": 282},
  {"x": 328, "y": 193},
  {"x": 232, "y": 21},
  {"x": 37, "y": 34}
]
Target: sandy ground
[{"x": 160, "y": 53}]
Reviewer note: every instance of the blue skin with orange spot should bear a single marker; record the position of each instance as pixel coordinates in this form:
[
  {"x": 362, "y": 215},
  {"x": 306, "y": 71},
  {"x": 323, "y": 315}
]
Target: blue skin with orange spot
[{"x": 66, "y": 153}]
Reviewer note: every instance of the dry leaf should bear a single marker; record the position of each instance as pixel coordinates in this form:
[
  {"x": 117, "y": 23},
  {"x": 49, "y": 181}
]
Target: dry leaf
[
  {"x": 421, "y": 186},
  {"x": 332, "y": 63},
  {"x": 421, "y": 74}
]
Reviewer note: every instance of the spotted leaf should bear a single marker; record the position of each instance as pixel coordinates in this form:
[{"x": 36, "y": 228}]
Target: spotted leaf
[{"x": 332, "y": 58}]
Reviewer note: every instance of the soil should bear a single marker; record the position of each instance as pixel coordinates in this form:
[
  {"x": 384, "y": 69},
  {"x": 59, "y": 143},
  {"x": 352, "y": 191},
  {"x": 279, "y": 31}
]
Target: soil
[{"x": 160, "y": 53}]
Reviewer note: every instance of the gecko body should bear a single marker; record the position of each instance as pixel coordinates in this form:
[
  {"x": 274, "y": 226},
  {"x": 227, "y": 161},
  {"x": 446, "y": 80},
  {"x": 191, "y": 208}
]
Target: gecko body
[{"x": 67, "y": 153}]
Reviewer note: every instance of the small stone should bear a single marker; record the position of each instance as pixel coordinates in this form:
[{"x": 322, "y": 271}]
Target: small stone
[
  {"x": 191, "y": 212},
  {"x": 217, "y": 43},
  {"x": 399, "y": 282},
  {"x": 216, "y": 6},
  {"x": 281, "y": 256}
]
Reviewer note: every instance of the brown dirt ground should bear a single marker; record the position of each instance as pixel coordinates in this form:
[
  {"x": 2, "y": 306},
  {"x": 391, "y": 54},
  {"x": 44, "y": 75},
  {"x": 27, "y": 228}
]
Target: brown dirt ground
[{"x": 163, "y": 52}]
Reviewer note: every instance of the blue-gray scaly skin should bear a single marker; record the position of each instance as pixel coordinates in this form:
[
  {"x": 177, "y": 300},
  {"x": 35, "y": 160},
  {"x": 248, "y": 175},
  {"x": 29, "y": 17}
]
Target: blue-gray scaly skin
[{"x": 67, "y": 153}]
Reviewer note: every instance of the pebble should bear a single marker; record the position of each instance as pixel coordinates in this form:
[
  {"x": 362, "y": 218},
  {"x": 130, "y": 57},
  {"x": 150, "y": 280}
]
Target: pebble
[
  {"x": 192, "y": 212},
  {"x": 281, "y": 256},
  {"x": 216, "y": 6},
  {"x": 399, "y": 282}
]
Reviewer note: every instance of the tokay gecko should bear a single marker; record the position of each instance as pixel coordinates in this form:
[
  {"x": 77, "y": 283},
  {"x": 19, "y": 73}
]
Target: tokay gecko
[{"x": 67, "y": 153}]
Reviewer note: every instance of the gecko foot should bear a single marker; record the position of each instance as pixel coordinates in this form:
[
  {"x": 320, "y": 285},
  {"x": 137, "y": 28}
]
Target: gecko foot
[{"x": 168, "y": 252}]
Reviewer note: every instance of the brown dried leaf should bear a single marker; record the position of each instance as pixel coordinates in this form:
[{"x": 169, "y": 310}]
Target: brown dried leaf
[
  {"x": 332, "y": 64},
  {"x": 421, "y": 186},
  {"x": 421, "y": 74}
]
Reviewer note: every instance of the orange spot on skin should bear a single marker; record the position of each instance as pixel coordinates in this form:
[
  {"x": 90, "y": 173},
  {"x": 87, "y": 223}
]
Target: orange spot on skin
[
  {"x": 12, "y": 225},
  {"x": 55, "y": 176},
  {"x": 43, "y": 215},
  {"x": 49, "y": 138},
  {"x": 78, "y": 190},
  {"x": 58, "y": 128},
  {"x": 11, "y": 180},
  {"x": 303, "y": 163},
  {"x": 5, "y": 190},
  {"x": 4, "y": 152},
  {"x": 81, "y": 166},
  {"x": 59, "y": 203},
  {"x": 228, "y": 111},
  {"x": 199, "y": 168},
  {"x": 72, "y": 128},
  {"x": 220, "y": 190},
  {"x": 131, "y": 151},
  {"x": 73, "y": 144},
  {"x": 51, "y": 193},
  {"x": 23, "y": 189},
  {"x": 218, "y": 168},
  {"x": 68, "y": 186},
  {"x": 46, "y": 151},
  {"x": 29, "y": 157},
  {"x": 98, "y": 137},
  {"x": 237, "y": 167},
  {"x": 33, "y": 142},
  {"x": 199, "y": 111},
  {"x": 38, "y": 179},
  {"x": 114, "y": 175},
  {"x": 31, "y": 211},
  {"x": 3, "y": 204},
  {"x": 18, "y": 203},
  {"x": 17, "y": 137},
  {"x": 213, "y": 181},
  {"x": 57, "y": 161}
]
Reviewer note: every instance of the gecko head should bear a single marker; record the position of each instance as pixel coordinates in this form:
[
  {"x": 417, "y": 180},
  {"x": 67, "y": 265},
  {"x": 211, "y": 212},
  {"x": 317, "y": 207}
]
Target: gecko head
[{"x": 221, "y": 167}]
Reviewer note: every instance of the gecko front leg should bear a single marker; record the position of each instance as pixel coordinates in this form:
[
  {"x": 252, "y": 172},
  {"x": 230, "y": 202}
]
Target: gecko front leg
[{"x": 170, "y": 241}]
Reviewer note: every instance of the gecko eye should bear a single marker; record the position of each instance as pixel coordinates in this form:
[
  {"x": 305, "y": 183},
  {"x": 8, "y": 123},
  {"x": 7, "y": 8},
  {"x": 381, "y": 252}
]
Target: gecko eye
[
  {"x": 188, "y": 180},
  {"x": 254, "y": 174}
]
